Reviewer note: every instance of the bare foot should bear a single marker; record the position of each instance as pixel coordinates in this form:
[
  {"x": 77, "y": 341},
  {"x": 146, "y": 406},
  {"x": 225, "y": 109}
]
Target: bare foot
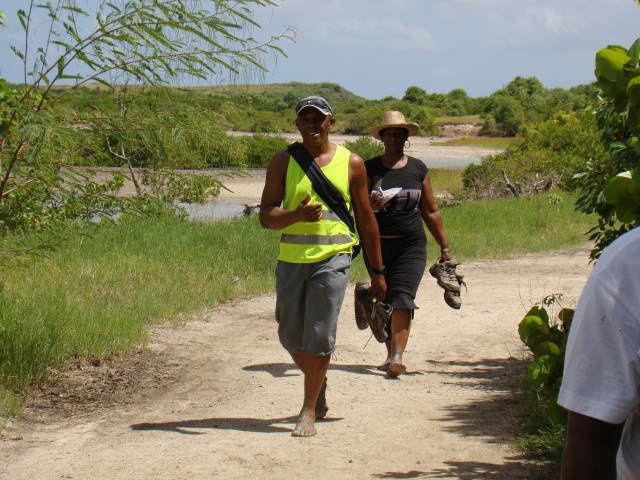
[
  {"x": 305, "y": 426},
  {"x": 396, "y": 369},
  {"x": 321, "y": 405}
]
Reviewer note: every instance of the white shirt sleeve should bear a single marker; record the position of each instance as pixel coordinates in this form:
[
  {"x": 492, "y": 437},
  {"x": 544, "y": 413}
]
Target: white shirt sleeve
[{"x": 602, "y": 368}]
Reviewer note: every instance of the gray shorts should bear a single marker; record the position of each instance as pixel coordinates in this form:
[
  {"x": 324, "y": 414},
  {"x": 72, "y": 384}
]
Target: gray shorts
[{"x": 308, "y": 301}]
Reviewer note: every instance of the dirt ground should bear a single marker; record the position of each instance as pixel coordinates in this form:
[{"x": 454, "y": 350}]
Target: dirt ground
[{"x": 217, "y": 397}]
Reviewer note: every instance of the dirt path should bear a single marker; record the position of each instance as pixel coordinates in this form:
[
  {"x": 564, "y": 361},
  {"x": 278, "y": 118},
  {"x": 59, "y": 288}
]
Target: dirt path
[{"x": 217, "y": 397}]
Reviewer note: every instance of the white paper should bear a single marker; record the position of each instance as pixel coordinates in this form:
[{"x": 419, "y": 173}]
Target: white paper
[{"x": 389, "y": 193}]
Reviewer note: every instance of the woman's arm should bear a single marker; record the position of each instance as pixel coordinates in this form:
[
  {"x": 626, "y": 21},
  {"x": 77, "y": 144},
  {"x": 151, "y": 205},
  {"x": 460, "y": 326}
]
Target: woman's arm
[{"x": 432, "y": 218}]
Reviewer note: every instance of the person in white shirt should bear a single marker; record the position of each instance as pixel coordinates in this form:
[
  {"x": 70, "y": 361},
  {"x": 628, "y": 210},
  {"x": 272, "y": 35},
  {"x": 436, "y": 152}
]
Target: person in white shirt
[{"x": 601, "y": 382}]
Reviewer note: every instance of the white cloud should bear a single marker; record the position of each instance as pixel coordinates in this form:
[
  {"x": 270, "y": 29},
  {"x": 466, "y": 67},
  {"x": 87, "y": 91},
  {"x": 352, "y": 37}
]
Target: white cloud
[
  {"x": 381, "y": 34},
  {"x": 545, "y": 20}
]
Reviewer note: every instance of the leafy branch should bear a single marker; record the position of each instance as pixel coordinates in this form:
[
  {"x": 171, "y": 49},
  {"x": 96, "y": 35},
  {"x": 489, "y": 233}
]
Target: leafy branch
[{"x": 148, "y": 42}]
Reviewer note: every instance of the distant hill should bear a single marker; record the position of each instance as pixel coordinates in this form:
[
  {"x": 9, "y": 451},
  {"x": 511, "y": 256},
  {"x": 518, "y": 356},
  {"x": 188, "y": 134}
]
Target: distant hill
[
  {"x": 333, "y": 92},
  {"x": 268, "y": 108}
]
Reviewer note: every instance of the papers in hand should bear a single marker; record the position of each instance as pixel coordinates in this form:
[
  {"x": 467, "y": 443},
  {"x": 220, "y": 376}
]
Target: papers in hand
[
  {"x": 384, "y": 195},
  {"x": 388, "y": 194}
]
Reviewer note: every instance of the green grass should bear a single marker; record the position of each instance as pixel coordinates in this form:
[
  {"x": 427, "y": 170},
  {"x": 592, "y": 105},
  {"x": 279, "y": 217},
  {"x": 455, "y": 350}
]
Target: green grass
[
  {"x": 505, "y": 227},
  {"x": 480, "y": 142},
  {"x": 446, "y": 179},
  {"x": 96, "y": 294}
]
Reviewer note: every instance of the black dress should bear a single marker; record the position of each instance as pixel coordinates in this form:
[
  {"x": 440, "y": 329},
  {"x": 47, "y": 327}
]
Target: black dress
[{"x": 404, "y": 257}]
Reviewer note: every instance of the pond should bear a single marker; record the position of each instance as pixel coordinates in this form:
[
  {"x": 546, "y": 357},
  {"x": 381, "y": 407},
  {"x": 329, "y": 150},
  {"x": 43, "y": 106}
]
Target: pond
[{"x": 212, "y": 211}]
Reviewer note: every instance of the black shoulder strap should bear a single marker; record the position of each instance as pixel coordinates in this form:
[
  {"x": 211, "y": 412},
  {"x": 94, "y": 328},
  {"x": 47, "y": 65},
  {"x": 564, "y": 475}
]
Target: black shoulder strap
[{"x": 323, "y": 187}]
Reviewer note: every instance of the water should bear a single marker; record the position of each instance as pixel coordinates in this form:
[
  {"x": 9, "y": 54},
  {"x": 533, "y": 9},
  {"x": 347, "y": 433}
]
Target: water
[
  {"x": 225, "y": 209},
  {"x": 212, "y": 211},
  {"x": 451, "y": 162}
]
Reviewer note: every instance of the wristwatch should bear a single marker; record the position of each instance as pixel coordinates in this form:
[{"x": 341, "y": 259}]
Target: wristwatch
[{"x": 379, "y": 271}]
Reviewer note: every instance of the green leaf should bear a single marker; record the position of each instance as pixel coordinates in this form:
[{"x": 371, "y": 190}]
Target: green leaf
[
  {"x": 617, "y": 188},
  {"x": 634, "y": 52},
  {"x": 627, "y": 210},
  {"x": 566, "y": 317},
  {"x": 546, "y": 348},
  {"x": 17, "y": 52},
  {"x": 542, "y": 368},
  {"x": 610, "y": 62},
  {"x": 60, "y": 66},
  {"x": 556, "y": 414},
  {"x": 633, "y": 92},
  {"x": 22, "y": 16},
  {"x": 44, "y": 78},
  {"x": 539, "y": 312},
  {"x": 533, "y": 330}
]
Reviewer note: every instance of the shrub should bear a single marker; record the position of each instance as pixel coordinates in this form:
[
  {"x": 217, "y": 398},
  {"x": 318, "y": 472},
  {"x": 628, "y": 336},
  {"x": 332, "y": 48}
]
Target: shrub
[
  {"x": 164, "y": 140},
  {"x": 547, "y": 154},
  {"x": 366, "y": 147},
  {"x": 610, "y": 184},
  {"x": 366, "y": 117},
  {"x": 260, "y": 148}
]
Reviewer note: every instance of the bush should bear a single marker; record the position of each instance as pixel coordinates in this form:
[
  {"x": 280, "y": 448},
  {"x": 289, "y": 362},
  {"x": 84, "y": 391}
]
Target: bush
[
  {"x": 490, "y": 126},
  {"x": 510, "y": 113},
  {"x": 366, "y": 147},
  {"x": 165, "y": 140},
  {"x": 366, "y": 117},
  {"x": 547, "y": 153},
  {"x": 260, "y": 148},
  {"x": 610, "y": 184}
]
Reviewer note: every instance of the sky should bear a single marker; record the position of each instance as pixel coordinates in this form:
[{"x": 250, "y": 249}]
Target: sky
[{"x": 378, "y": 48}]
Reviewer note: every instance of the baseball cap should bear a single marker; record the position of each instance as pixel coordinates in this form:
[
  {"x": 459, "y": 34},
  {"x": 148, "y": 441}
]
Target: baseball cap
[{"x": 316, "y": 102}]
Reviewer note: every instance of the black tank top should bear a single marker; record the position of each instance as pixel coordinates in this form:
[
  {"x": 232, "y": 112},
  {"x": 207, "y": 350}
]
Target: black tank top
[{"x": 401, "y": 215}]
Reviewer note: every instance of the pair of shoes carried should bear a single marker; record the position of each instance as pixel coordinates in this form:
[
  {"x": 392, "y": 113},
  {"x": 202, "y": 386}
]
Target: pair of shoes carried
[
  {"x": 374, "y": 315},
  {"x": 450, "y": 277}
]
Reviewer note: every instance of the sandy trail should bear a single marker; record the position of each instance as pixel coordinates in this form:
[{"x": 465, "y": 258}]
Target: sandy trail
[{"x": 229, "y": 408}]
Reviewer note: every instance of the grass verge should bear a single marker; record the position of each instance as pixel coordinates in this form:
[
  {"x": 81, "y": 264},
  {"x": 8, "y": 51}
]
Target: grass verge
[
  {"x": 446, "y": 179},
  {"x": 96, "y": 294}
]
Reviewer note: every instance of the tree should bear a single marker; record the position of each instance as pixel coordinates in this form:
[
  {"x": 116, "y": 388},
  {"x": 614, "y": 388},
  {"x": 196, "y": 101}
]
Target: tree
[
  {"x": 415, "y": 95},
  {"x": 509, "y": 112},
  {"x": 524, "y": 88},
  {"x": 146, "y": 42}
]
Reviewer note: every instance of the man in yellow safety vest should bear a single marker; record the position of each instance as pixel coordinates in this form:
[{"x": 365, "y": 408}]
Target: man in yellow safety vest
[{"x": 315, "y": 250}]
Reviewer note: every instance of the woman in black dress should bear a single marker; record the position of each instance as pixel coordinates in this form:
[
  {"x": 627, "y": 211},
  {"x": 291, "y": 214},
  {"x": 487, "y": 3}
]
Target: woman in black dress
[{"x": 402, "y": 236}]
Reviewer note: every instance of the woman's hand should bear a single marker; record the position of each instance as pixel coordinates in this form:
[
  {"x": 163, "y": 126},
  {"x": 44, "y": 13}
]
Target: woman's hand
[
  {"x": 378, "y": 287},
  {"x": 446, "y": 255},
  {"x": 377, "y": 201}
]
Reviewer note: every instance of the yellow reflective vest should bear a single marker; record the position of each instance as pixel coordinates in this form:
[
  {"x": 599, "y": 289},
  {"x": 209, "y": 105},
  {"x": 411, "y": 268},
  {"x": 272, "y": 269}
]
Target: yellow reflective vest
[{"x": 308, "y": 242}]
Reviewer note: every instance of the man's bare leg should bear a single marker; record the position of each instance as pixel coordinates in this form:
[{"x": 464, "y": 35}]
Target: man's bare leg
[
  {"x": 400, "y": 328},
  {"x": 385, "y": 365},
  {"x": 321, "y": 404},
  {"x": 315, "y": 369}
]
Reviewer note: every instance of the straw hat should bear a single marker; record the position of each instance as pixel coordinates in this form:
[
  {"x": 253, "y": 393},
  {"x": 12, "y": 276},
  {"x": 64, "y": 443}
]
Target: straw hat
[{"x": 393, "y": 119}]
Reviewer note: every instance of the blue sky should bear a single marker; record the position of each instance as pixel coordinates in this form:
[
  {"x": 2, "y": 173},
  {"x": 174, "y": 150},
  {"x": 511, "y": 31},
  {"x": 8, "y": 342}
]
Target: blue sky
[{"x": 377, "y": 48}]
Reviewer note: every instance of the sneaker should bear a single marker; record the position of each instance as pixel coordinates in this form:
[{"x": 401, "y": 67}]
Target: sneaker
[
  {"x": 362, "y": 304},
  {"x": 453, "y": 299},
  {"x": 445, "y": 274}
]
